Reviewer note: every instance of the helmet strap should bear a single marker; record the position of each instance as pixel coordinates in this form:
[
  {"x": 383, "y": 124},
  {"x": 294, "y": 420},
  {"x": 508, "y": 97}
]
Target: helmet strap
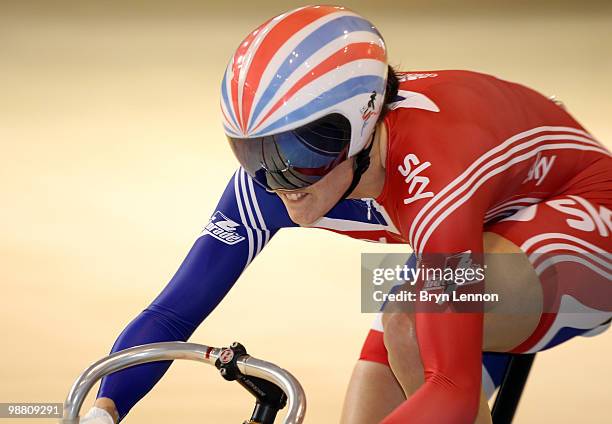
[{"x": 360, "y": 166}]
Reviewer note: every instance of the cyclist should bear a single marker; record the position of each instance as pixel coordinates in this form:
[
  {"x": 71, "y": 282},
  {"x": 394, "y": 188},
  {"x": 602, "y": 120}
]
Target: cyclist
[{"x": 448, "y": 162}]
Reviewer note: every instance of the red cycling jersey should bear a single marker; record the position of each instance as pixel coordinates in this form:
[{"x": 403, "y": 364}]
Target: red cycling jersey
[{"x": 461, "y": 145}]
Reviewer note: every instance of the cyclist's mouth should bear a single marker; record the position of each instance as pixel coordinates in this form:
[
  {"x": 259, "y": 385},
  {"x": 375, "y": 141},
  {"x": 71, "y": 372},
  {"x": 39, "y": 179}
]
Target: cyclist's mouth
[{"x": 295, "y": 197}]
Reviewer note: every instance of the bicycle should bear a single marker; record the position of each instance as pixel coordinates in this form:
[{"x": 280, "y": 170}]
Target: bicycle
[{"x": 273, "y": 387}]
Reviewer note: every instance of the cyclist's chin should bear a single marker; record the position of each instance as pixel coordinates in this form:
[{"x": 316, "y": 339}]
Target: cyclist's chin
[
  {"x": 303, "y": 211},
  {"x": 307, "y": 209}
]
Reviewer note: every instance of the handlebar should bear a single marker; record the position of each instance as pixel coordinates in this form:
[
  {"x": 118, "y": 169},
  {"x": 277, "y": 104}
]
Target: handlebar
[{"x": 246, "y": 364}]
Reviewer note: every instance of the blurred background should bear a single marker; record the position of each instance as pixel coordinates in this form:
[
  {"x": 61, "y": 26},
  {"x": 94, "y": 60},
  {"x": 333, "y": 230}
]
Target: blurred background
[{"x": 113, "y": 158}]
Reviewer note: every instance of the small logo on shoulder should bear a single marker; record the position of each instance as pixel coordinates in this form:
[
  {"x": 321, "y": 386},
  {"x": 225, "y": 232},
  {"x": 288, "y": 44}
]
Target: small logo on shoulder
[
  {"x": 402, "y": 77},
  {"x": 223, "y": 229}
]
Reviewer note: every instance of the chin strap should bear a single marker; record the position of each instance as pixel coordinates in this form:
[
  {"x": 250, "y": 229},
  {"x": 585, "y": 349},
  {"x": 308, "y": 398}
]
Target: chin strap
[{"x": 360, "y": 165}]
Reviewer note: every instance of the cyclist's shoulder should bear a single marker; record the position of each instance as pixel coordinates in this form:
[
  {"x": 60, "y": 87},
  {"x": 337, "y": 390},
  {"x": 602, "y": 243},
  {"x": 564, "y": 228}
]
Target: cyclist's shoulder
[
  {"x": 449, "y": 84},
  {"x": 430, "y": 100},
  {"x": 248, "y": 202},
  {"x": 458, "y": 115},
  {"x": 464, "y": 97}
]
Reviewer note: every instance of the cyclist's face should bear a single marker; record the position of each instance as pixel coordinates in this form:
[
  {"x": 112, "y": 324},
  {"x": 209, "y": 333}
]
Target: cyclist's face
[{"x": 308, "y": 204}]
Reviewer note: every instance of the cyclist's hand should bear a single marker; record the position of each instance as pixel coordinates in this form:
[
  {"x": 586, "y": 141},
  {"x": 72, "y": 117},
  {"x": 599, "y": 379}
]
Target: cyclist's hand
[{"x": 97, "y": 416}]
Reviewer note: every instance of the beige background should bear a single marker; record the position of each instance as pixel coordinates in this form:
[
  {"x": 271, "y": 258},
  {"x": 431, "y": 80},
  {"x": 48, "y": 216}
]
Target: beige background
[{"x": 113, "y": 158}]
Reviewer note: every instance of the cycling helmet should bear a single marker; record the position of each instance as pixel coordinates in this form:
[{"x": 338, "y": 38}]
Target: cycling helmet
[{"x": 302, "y": 93}]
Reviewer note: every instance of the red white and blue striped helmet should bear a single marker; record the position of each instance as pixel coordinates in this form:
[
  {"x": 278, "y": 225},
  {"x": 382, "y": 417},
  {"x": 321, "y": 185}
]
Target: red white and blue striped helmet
[{"x": 313, "y": 71}]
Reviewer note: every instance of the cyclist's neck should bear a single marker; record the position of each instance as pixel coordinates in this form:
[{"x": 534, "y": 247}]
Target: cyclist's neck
[{"x": 373, "y": 180}]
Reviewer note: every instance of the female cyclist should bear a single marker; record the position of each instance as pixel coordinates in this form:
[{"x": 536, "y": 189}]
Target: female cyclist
[{"x": 448, "y": 162}]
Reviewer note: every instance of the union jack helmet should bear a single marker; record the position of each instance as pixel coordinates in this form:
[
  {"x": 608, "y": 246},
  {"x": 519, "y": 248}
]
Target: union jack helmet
[{"x": 302, "y": 93}]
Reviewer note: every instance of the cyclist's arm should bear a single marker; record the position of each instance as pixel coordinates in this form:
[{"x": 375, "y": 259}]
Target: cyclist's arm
[
  {"x": 244, "y": 221},
  {"x": 450, "y": 343}
]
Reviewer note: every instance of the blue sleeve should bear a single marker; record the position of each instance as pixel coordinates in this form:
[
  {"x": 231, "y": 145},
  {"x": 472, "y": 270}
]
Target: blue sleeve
[{"x": 244, "y": 221}]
